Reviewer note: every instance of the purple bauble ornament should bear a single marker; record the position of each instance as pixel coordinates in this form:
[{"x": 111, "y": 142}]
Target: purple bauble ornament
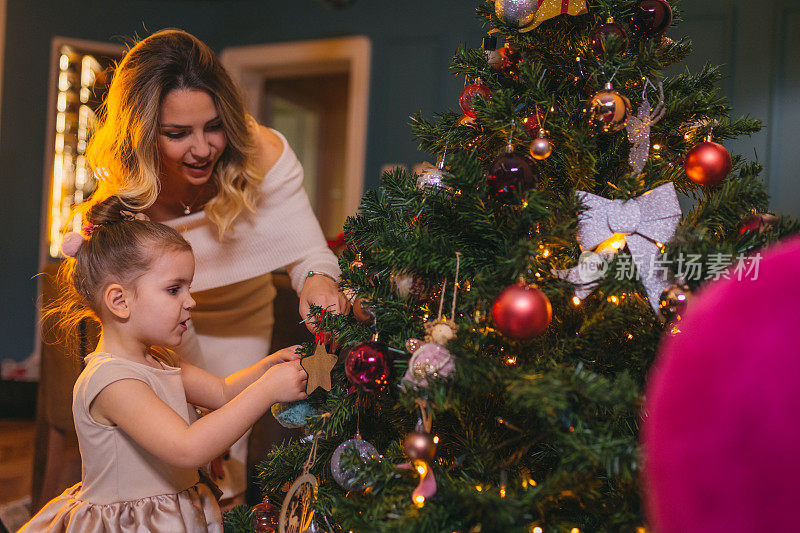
[
  {"x": 367, "y": 366},
  {"x": 609, "y": 36},
  {"x": 511, "y": 172},
  {"x": 429, "y": 360},
  {"x": 651, "y": 18},
  {"x": 345, "y": 477}
]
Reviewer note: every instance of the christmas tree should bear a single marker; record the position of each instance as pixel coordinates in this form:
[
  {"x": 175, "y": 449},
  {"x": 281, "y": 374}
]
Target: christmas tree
[{"x": 516, "y": 292}]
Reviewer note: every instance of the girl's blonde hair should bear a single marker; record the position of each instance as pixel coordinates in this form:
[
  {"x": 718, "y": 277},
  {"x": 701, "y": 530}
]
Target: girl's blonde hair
[
  {"x": 123, "y": 151},
  {"x": 120, "y": 249}
]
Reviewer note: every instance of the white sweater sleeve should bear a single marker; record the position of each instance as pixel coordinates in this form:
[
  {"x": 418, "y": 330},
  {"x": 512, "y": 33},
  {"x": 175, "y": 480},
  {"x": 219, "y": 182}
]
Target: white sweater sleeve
[{"x": 286, "y": 190}]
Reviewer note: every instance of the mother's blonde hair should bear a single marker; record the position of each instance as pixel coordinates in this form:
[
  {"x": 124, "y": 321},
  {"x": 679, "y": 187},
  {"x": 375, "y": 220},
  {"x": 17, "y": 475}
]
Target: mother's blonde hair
[{"x": 124, "y": 150}]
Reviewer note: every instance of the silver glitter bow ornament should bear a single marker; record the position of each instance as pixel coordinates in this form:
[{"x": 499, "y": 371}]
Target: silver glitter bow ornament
[{"x": 641, "y": 223}]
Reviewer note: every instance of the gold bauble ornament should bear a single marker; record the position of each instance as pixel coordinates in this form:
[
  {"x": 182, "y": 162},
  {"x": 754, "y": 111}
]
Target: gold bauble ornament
[{"x": 541, "y": 147}]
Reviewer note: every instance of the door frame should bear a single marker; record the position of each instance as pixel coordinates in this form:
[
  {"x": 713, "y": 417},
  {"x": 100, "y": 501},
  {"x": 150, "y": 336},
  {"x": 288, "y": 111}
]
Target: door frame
[{"x": 250, "y": 65}]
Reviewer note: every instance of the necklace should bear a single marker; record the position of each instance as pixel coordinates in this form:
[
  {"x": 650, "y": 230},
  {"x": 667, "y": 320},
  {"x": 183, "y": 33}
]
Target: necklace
[{"x": 187, "y": 208}]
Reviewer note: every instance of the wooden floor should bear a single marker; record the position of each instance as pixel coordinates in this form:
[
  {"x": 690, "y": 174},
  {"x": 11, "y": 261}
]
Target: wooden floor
[
  {"x": 16, "y": 459},
  {"x": 16, "y": 471}
]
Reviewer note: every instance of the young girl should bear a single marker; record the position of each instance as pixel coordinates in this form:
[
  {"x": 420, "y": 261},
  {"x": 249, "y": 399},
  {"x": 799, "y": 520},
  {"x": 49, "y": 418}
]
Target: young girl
[{"x": 140, "y": 449}]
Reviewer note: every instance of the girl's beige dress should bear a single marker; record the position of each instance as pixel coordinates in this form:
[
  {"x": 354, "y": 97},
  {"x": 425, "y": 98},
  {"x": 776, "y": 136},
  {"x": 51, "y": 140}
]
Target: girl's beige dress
[{"x": 124, "y": 487}]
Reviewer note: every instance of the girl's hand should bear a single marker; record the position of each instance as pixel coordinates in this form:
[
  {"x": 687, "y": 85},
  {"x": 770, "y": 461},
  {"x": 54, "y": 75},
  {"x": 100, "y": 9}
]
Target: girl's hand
[
  {"x": 282, "y": 356},
  {"x": 287, "y": 381},
  {"x": 322, "y": 291}
]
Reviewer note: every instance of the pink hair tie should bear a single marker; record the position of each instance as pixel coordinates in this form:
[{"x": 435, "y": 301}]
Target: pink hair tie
[
  {"x": 88, "y": 228},
  {"x": 70, "y": 243}
]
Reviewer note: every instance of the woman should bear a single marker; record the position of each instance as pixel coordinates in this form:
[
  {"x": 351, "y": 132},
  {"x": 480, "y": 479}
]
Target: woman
[{"x": 174, "y": 140}]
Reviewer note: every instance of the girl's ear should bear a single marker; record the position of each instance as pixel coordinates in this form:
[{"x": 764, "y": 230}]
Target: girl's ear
[{"x": 115, "y": 298}]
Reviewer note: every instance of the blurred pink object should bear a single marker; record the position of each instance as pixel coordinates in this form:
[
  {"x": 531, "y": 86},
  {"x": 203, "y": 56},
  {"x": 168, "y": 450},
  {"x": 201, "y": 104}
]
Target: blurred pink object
[
  {"x": 721, "y": 432},
  {"x": 70, "y": 244}
]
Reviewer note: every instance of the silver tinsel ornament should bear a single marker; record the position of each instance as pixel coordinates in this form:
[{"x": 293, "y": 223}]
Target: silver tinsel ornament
[
  {"x": 517, "y": 13},
  {"x": 431, "y": 178},
  {"x": 638, "y": 126},
  {"x": 346, "y": 478}
]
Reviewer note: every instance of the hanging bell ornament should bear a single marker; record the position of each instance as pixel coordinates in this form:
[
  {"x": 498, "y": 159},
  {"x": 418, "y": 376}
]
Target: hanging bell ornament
[
  {"x": 673, "y": 301},
  {"x": 707, "y": 163},
  {"x": 511, "y": 172},
  {"x": 609, "y": 109},
  {"x": 651, "y": 18},
  {"x": 469, "y": 93},
  {"x": 609, "y": 38},
  {"x": 510, "y": 60},
  {"x": 541, "y": 147},
  {"x": 516, "y": 13}
]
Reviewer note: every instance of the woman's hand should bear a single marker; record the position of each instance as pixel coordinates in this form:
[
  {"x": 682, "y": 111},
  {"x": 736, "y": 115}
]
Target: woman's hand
[
  {"x": 282, "y": 356},
  {"x": 324, "y": 292}
]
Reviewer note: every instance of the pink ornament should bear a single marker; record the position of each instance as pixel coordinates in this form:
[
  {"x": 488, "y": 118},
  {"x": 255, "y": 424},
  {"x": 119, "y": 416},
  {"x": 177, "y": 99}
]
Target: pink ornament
[
  {"x": 367, "y": 366},
  {"x": 429, "y": 360},
  {"x": 426, "y": 488}
]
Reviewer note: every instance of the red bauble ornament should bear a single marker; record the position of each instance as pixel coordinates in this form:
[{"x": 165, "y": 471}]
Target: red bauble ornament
[
  {"x": 651, "y": 18},
  {"x": 367, "y": 365},
  {"x": 469, "y": 93},
  {"x": 759, "y": 221},
  {"x": 707, "y": 163},
  {"x": 509, "y": 61},
  {"x": 511, "y": 172},
  {"x": 522, "y": 311},
  {"x": 265, "y": 517},
  {"x": 609, "y": 37},
  {"x": 533, "y": 124}
]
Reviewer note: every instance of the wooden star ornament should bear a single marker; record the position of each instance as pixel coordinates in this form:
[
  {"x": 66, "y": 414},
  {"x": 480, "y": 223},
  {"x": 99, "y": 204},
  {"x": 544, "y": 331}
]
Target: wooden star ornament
[{"x": 318, "y": 367}]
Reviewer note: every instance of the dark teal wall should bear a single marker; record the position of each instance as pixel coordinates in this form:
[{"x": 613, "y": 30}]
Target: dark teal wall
[{"x": 412, "y": 43}]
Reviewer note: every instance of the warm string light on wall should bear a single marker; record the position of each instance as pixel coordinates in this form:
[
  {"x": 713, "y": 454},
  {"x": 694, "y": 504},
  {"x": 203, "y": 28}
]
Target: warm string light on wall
[{"x": 72, "y": 179}]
